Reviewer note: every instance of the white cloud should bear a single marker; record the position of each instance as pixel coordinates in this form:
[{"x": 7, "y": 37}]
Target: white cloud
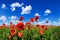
[
  {"x": 46, "y": 19},
  {"x": 50, "y": 21},
  {"x": 42, "y": 22},
  {"x": 3, "y": 18},
  {"x": 36, "y": 14},
  {"x": 13, "y": 9},
  {"x": 3, "y": 6},
  {"x": 47, "y": 11},
  {"x": 14, "y": 5},
  {"x": 26, "y": 10},
  {"x": 6, "y": 23},
  {"x": 54, "y": 22},
  {"x": 13, "y": 19},
  {"x": 59, "y": 19}
]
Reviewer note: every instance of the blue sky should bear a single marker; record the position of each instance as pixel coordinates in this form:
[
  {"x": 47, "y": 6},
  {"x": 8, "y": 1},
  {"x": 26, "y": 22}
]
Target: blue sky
[{"x": 11, "y": 10}]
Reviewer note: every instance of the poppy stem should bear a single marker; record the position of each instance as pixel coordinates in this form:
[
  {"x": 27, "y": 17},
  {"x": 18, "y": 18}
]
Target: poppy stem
[
  {"x": 41, "y": 37},
  {"x": 12, "y": 38},
  {"x": 19, "y": 38}
]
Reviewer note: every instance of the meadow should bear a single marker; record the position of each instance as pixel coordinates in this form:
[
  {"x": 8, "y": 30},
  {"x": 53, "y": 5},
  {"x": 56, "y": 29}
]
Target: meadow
[{"x": 28, "y": 31}]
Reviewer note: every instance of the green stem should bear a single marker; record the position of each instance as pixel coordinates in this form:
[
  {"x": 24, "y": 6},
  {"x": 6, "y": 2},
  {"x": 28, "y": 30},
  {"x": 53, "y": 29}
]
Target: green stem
[
  {"x": 19, "y": 38},
  {"x": 41, "y": 37}
]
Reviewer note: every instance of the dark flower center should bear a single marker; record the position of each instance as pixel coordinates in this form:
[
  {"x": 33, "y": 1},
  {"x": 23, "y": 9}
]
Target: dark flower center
[{"x": 20, "y": 26}]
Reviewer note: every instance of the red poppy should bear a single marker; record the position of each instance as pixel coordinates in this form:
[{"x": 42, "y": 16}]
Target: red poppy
[
  {"x": 32, "y": 20},
  {"x": 20, "y": 34},
  {"x": 21, "y": 18},
  {"x": 36, "y": 18},
  {"x": 20, "y": 26},
  {"x": 11, "y": 26},
  {"x": 37, "y": 25},
  {"x": 42, "y": 26},
  {"x": 4, "y": 24},
  {"x": 1, "y": 26},
  {"x": 29, "y": 26},
  {"x": 12, "y": 31},
  {"x": 41, "y": 32},
  {"x": 45, "y": 27},
  {"x": 27, "y": 23},
  {"x": 10, "y": 23}
]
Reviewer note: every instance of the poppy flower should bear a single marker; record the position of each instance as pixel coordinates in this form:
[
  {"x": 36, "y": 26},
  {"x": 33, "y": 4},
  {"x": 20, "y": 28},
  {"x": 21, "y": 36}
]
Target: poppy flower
[
  {"x": 29, "y": 26},
  {"x": 42, "y": 26},
  {"x": 45, "y": 27},
  {"x": 4, "y": 24},
  {"x": 11, "y": 26},
  {"x": 32, "y": 20},
  {"x": 37, "y": 25},
  {"x": 1, "y": 26},
  {"x": 21, "y": 18},
  {"x": 10, "y": 23},
  {"x": 20, "y": 26},
  {"x": 27, "y": 23},
  {"x": 41, "y": 32},
  {"x": 20, "y": 34},
  {"x": 36, "y": 18},
  {"x": 12, "y": 32}
]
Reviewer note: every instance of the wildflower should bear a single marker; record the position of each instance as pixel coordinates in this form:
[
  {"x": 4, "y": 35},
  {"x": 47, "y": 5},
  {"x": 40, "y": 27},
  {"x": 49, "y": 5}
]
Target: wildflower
[
  {"x": 20, "y": 34},
  {"x": 29, "y": 26},
  {"x": 12, "y": 31},
  {"x": 27, "y": 23},
  {"x": 11, "y": 26},
  {"x": 36, "y": 18},
  {"x": 20, "y": 26},
  {"x": 32, "y": 20},
  {"x": 45, "y": 27},
  {"x": 21, "y": 18},
  {"x": 4, "y": 24},
  {"x": 41, "y": 32},
  {"x": 42, "y": 26},
  {"x": 10, "y": 23},
  {"x": 37, "y": 25},
  {"x": 1, "y": 26}
]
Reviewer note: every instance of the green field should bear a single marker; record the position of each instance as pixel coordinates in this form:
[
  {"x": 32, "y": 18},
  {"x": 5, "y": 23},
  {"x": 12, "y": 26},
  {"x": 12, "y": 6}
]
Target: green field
[{"x": 52, "y": 33}]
